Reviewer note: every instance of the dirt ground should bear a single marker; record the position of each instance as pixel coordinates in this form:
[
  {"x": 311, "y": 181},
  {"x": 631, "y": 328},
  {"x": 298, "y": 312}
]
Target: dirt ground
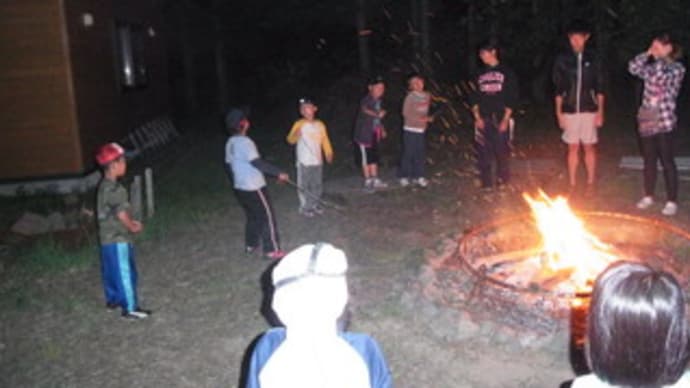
[{"x": 207, "y": 295}]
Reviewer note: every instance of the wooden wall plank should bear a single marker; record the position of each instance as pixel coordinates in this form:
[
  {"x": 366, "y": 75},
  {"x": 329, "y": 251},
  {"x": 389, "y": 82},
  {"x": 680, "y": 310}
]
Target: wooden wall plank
[{"x": 36, "y": 121}]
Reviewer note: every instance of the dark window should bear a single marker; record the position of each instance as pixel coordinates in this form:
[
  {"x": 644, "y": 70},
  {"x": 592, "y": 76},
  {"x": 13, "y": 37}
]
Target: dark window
[{"x": 130, "y": 43}]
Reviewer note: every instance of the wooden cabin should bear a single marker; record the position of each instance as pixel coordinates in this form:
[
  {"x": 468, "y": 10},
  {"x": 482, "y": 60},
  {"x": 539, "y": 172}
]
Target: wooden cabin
[{"x": 75, "y": 74}]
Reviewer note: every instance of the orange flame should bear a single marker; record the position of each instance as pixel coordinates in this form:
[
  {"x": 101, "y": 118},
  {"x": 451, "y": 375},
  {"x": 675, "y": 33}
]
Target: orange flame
[{"x": 567, "y": 245}]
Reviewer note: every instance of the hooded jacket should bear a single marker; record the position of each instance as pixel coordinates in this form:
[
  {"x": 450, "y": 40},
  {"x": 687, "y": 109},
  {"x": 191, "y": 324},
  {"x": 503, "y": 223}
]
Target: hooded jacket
[{"x": 589, "y": 78}]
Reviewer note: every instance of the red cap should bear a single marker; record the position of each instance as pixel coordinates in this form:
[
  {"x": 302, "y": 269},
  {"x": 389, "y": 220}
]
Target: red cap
[{"x": 108, "y": 153}]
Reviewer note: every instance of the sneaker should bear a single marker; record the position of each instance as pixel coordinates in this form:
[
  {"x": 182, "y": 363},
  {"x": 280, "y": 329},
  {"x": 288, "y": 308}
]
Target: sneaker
[
  {"x": 422, "y": 182},
  {"x": 111, "y": 306},
  {"x": 318, "y": 210},
  {"x": 379, "y": 184},
  {"x": 645, "y": 202},
  {"x": 275, "y": 255},
  {"x": 249, "y": 250},
  {"x": 404, "y": 182},
  {"x": 670, "y": 209},
  {"x": 369, "y": 185},
  {"x": 136, "y": 314},
  {"x": 306, "y": 213}
]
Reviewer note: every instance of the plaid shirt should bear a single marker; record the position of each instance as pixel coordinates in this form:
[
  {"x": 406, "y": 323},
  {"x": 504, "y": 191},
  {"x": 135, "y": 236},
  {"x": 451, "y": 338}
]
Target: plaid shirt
[{"x": 662, "y": 81}]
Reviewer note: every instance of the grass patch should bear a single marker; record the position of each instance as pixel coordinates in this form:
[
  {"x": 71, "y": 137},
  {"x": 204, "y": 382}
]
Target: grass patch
[
  {"x": 48, "y": 255},
  {"x": 188, "y": 194},
  {"x": 16, "y": 298}
]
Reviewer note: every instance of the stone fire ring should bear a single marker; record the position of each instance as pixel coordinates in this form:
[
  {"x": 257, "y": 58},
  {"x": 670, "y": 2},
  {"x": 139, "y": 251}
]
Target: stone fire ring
[{"x": 625, "y": 232}]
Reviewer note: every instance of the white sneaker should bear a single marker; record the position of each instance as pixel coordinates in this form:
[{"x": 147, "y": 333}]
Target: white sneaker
[
  {"x": 422, "y": 182},
  {"x": 645, "y": 202},
  {"x": 307, "y": 213},
  {"x": 404, "y": 182},
  {"x": 670, "y": 209},
  {"x": 136, "y": 314},
  {"x": 369, "y": 185},
  {"x": 379, "y": 184}
]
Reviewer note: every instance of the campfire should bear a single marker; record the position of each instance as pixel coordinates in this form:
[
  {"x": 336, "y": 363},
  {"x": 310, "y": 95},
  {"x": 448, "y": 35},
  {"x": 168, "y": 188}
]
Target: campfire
[
  {"x": 569, "y": 254},
  {"x": 527, "y": 273},
  {"x": 559, "y": 252},
  {"x": 554, "y": 252}
]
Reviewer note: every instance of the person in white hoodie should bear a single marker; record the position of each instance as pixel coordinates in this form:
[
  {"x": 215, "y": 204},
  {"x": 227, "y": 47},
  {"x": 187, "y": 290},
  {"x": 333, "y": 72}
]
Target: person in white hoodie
[{"x": 310, "y": 294}]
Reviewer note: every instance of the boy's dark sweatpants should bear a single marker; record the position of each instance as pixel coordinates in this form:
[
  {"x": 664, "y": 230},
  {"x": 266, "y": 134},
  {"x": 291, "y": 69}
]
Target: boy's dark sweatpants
[
  {"x": 413, "y": 158},
  {"x": 261, "y": 224},
  {"x": 492, "y": 145}
]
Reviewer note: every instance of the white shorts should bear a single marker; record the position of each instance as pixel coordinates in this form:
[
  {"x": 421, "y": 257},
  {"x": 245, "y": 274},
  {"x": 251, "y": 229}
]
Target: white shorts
[{"x": 580, "y": 128}]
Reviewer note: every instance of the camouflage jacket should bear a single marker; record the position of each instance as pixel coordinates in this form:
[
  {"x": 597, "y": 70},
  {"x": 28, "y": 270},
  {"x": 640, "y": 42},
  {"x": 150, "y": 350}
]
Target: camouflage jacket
[{"x": 111, "y": 199}]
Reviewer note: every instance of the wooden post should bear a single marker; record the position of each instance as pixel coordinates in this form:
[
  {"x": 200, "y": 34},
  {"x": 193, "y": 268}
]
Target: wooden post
[
  {"x": 363, "y": 38},
  {"x": 135, "y": 198},
  {"x": 148, "y": 177}
]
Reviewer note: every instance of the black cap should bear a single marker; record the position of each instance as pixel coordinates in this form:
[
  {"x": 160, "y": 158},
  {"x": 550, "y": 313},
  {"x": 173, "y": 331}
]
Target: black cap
[
  {"x": 306, "y": 100},
  {"x": 233, "y": 118}
]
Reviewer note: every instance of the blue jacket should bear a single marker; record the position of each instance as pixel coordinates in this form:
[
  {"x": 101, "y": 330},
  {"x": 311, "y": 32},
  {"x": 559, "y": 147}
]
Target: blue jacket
[{"x": 379, "y": 374}]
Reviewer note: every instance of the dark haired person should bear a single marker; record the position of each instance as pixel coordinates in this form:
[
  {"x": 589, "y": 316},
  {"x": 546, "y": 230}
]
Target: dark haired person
[
  {"x": 579, "y": 87},
  {"x": 368, "y": 132},
  {"x": 663, "y": 75},
  {"x": 416, "y": 118},
  {"x": 248, "y": 169},
  {"x": 637, "y": 334},
  {"x": 492, "y": 103}
]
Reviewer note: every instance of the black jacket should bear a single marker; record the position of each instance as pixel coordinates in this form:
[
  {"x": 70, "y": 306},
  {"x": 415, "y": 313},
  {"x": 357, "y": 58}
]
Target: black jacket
[{"x": 565, "y": 81}]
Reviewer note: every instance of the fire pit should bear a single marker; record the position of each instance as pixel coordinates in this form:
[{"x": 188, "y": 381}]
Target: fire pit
[
  {"x": 528, "y": 272},
  {"x": 558, "y": 253}
]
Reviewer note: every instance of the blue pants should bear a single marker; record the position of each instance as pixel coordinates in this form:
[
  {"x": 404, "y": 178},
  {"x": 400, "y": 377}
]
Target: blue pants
[
  {"x": 492, "y": 145},
  {"x": 413, "y": 158},
  {"x": 119, "y": 275}
]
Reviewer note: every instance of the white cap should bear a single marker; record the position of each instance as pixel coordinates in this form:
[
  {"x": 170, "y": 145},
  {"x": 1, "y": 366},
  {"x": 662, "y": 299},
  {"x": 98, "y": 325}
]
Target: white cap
[{"x": 310, "y": 285}]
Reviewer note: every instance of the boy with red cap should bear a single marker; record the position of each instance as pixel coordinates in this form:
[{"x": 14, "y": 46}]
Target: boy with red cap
[{"x": 115, "y": 226}]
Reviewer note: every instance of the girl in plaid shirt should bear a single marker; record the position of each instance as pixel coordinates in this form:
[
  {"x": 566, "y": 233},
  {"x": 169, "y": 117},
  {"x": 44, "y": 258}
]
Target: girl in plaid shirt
[{"x": 663, "y": 75}]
